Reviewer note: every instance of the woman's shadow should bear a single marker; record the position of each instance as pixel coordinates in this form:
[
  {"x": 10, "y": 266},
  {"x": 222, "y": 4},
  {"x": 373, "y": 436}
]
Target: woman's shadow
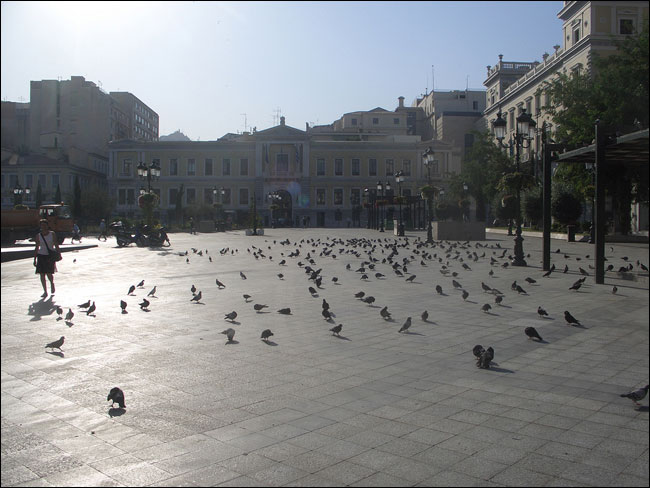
[{"x": 40, "y": 308}]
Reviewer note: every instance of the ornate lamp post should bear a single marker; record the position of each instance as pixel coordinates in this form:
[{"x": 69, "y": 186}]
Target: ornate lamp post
[
  {"x": 399, "y": 179},
  {"x": 522, "y": 138},
  {"x": 18, "y": 193},
  {"x": 366, "y": 195},
  {"x": 221, "y": 192},
  {"x": 383, "y": 188},
  {"x": 274, "y": 199},
  {"x": 151, "y": 172},
  {"x": 429, "y": 161}
]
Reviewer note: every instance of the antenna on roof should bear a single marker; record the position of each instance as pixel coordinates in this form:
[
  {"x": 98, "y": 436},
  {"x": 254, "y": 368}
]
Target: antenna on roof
[{"x": 245, "y": 121}]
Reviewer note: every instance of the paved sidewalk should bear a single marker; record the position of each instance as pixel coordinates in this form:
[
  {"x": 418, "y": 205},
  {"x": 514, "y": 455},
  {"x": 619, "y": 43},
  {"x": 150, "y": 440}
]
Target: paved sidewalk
[{"x": 370, "y": 408}]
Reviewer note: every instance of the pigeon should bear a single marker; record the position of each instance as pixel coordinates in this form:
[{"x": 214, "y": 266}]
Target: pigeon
[
  {"x": 246, "y": 297},
  {"x": 406, "y": 325},
  {"x": 84, "y": 305},
  {"x": 131, "y": 290},
  {"x": 285, "y": 311},
  {"x": 425, "y": 316},
  {"x": 566, "y": 269},
  {"x": 91, "y": 309},
  {"x": 385, "y": 313},
  {"x": 312, "y": 290},
  {"x": 477, "y": 351},
  {"x": 336, "y": 329},
  {"x": 141, "y": 284},
  {"x": 335, "y": 279},
  {"x": 369, "y": 300},
  {"x": 152, "y": 293},
  {"x": 498, "y": 299},
  {"x": 548, "y": 273},
  {"x": 513, "y": 287},
  {"x": 243, "y": 276},
  {"x": 486, "y": 357},
  {"x": 486, "y": 308},
  {"x": 196, "y": 298},
  {"x": 193, "y": 289},
  {"x": 530, "y": 280},
  {"x": 379, "y": 276},
  {"x": 439, "y": 289},
  {"x": 56, "y": 344},
  {"x": 231, "y": 316},
  {"x": 636, "y": 396},
  {"x": 259, "y": 306},
  {"x": 219, "y": 284},
  {"x": 456, "y": 284},
  {"x": 326, "y": 314},
  {"x": 485, "y": 287},
  {"x": 359, "y": 294},
  {"x": 69, "y": 315},
  {"x": 410, "y": 278},
  {"x": 576, "y": 286},
  {"x": 583, "y": 272},
  {"x": 266, "y": 334},
  {"x": 520, "y": 290},
  {"x": 570, "y": 319},
  {"x": 59, "y": 312},
  {"x": 541, "y": 312},
  {"x": 614, "y": 290},
  {"x": 230, "y": 333},
  {"x": 325, "y": 305},
  {"x": 144, "y": 305},
  {"x": 116, "y": 396},
  {"x": 364, "y": 277},
  {"x": 281, "y": 276},
  {"x": 532, "y": 333},
  {"x": 465, "y": 294},
  {"x": 123, "y": 306}
]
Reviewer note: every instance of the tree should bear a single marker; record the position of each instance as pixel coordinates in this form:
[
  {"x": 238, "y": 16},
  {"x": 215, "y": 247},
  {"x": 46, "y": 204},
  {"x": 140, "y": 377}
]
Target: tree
[
  {"x": 179, "y": 201},
  {"x": 39, "y": 195},
  {"x": 566, "y": 208},
  {"x": 76, "y": 199},
  {"x": 97, "y": 204},
  {"x": 532, "y": 205},
  {"x": 483, "y": 166},
  {"x": 57, "y": 195}
]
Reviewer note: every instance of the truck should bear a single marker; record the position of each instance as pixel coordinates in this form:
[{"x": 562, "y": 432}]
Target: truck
[{"x": 18, "y": 224}]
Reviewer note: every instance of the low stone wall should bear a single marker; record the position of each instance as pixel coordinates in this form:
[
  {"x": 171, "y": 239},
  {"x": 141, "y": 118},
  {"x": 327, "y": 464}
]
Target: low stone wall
[{"x": 458, "y": 231}]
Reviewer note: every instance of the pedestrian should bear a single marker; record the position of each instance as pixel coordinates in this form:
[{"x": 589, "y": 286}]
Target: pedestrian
[
  {"x": 102, "y": 230},
  {"x": 43, "y": 260},
  {"x": 192, "y": 226},
  {"x": 304, "y": 222},
  {"x": 76, "y": 233}
]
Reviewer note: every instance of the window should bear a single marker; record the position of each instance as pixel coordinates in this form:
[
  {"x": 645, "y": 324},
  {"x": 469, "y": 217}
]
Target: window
[
  {"x": 395, "y": 121},
  {"x": 511, "y": 119},
  {"x": 243, "y": 167},
  {"x": 354, "y": 121},
  {"x": 529, "y": 106},
  {"x": 173, "y": 195},
  {"x": 225, "y": 169},
  {"x": 320, "y": 167},
  {"x": 243, "y": 196},
  {"x": 626, "y": 26},
  {"x": 576, "y": 34},
  {"x": 356, "y": 167},
  {"x": 207, "y": 170},
  {"x": 372, "y": 167},
  {"x": 375, "y": 121},
  {"x": 474, "y": 105},
  {"x": 355, "y": 196},
  {"x": 208, "y": 196},
  {"x": 406, "y": 192},
  {"x": 338, "y": 167},
  {"x": 126, "y": 168},
  {"x": 42, "y": 180},
  {"x": 338, "y": 196},
  {"x": 389, "y": 167},
  {"x": 226, "y": 196},
  {"x": 173, "y": 167},
  {"x": 191, "y": 167},
  {"x": 55, "y": 181},
  {"x": 121, "y": 196},
  {"x": 29, "y": 183},
  {"x": 469, "y": 140},
  {"x": 406, "y": 167},
  {"x": 282, "y": 163},
  {"x": 190, "y": 195},
  {"x": 320, "y": 196},
  {"x": 538, "y": 106},
  {"x": 130, "y": 196}
]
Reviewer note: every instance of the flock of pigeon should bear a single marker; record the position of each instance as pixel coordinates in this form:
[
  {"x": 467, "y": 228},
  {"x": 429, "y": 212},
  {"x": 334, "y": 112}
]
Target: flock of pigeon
[{"x": 378, "y": 259}]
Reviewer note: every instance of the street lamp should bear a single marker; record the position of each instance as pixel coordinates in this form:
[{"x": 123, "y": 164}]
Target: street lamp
[
  {"x": 151, "y": 172},
  {"x": 221, "y": 192},
  {"x": 429, "y": 161},
  {"x": 522, "y": 138},
  {"x": 18, "y": 193},
  {"x": 383, "y": 188},
  {"x": 274, "y": 198},
  {"x": 399, "y": 179},
  {"x": 465, "y": 215}
]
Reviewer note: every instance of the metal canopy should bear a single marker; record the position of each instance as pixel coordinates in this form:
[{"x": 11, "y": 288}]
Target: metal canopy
[{"x": 627, "y": 149}]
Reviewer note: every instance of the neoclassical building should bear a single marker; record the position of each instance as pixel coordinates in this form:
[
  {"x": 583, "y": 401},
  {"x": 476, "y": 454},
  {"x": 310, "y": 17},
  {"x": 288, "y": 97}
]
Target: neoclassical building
[{"x": 320, "y": 173}]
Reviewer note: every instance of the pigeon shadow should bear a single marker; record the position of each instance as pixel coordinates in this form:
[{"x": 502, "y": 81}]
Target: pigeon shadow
[
  {"x": 60, "y": 354},
  {"x": 504, "y": 306},
  {"x": 412, "y": 333},
  {"x": 199, "y": 303},
  {"x": 234, "y": 322},
  {"x": 469, "y": 301},
  {"x": 343, "y": 338},
  {"x": 262, "y": 311},
  {"x": 269, "y": 342},
  {"x": 491, "y": 313},
  {"x": 548, "y": 318},
  {"x": 116, "y": 412},
  {"x": 232, "y": 342},
  {"x": 643, "y": 408},
  {"x": 145, "y": 310},
  {"x": 499, "y": 370}
]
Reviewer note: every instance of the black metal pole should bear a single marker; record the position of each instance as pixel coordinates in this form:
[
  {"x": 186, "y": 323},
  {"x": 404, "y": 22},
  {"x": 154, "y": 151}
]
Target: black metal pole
[
  {"x": 519, "y": 250},
  {"x": 600, "y": 218},
  {"x": 546, "y": 204}
]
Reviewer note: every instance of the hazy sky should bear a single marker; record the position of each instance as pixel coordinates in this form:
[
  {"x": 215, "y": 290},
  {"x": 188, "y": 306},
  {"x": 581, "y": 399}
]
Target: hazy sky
[{"x": 202, "y": 65}]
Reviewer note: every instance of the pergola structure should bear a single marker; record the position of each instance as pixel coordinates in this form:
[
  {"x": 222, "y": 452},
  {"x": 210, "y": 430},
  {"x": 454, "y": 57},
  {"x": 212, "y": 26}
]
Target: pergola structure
[{"x": 627, "y": 149}]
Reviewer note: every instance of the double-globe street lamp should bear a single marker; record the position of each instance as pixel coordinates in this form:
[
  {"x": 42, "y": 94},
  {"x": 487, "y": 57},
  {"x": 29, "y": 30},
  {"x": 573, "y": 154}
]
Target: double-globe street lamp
[
  {"x": 429, "y": 162},
  {"x": 221, "y": 192},
  {"x": 399, "y": 179},
  {"x": 383, "y": 188},
  {"x": 18, "y": 193},
  {"x": 151, "y": 172},
  {"x": 524, "y": 134}
]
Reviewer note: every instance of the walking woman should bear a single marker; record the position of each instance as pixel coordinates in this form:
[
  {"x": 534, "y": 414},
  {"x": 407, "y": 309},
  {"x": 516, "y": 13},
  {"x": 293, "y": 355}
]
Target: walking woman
[{"x": 45, "y": 265}]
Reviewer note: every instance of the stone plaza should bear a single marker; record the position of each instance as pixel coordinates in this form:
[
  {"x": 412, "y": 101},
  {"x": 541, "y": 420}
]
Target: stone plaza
[{"x": 372, "y": 407}]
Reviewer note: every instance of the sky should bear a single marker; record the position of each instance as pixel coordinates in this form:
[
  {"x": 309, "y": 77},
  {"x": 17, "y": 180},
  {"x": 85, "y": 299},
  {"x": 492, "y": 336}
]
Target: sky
[{"x": 203, "y": 65}]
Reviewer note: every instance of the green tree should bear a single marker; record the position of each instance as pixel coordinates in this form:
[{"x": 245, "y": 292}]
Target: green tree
[
  {"x": 39, "y": 195},
  {"x": 532, "y": 205},
  {"x": 57, "y": 195},
  {"x": 97, "y": 204},
  {"x": 179, "y": 201},
  {"x": 566, "y": 207},
  {"x": 483, "y": 166}
]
